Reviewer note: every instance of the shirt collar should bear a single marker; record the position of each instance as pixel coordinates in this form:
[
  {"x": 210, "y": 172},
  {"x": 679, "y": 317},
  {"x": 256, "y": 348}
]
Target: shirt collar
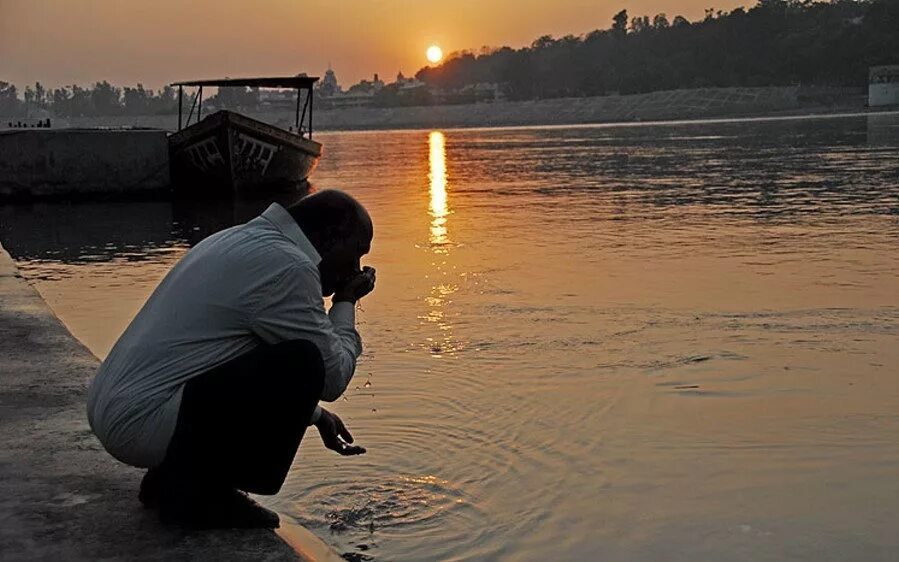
[{"x": 278, "y": 216}]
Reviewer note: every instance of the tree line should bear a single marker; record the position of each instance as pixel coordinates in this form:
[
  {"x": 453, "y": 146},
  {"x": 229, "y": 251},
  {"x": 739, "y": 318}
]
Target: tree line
[
  {"x": 104, "y": 99},
  {"x": 74, "y": 101},
  {"x": 776, "y": 42}
]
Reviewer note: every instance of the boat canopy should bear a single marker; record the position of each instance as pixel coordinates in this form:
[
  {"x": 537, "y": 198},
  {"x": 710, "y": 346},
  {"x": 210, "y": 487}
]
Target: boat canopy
[
  {"x": 303, "y": 120},
  {"x": 298, "y": 82}
]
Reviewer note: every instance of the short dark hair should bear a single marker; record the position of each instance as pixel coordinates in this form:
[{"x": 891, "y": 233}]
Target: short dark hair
[{"x": 330, "y": 216}]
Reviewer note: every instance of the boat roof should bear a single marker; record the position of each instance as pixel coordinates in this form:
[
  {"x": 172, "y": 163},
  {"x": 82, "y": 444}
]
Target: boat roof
[{"x": 267, "y": 82}]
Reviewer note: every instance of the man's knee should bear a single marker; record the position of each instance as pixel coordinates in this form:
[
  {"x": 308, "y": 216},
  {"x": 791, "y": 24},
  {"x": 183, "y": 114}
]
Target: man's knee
[{"x": 301, "y": 357}]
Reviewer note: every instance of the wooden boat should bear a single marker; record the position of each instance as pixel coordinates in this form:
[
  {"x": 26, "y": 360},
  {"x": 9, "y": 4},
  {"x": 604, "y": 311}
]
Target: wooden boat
[{"x": 227, "y": 152}]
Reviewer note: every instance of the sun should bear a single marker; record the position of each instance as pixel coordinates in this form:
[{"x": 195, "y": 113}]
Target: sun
[{"x": 434, "y": 54}]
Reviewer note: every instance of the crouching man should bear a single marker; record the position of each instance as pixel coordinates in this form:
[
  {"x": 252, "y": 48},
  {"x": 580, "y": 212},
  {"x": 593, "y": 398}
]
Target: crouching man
[{"x": 214, "y": 382}]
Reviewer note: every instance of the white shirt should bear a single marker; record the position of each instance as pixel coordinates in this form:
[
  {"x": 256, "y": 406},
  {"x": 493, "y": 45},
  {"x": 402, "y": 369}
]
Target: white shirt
[{"x": 252, "y": 283}]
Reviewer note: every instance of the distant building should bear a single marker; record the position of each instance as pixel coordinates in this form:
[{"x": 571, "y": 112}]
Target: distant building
[
  {"x": 883, "y": 86},
  {"x": 404, "y": 83},
  {"x": 488, "y": 92},
  {"x": 361, "y": 94},
  {"x": 329, "y": 86},
  {"x": 351, "y": 99},
  {"x": 482, "y": 92},
  {"x": 277, "y": 99},
  {"x": 377, "y": 83}
]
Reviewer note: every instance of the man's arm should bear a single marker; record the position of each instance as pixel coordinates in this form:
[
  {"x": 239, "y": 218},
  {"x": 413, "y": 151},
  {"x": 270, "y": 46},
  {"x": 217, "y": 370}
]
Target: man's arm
[{"x": 293, "y": 309}]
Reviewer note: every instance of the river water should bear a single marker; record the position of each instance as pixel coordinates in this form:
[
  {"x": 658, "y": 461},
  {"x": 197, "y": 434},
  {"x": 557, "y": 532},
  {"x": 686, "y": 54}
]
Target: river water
[{"x": 650, "y": 342}]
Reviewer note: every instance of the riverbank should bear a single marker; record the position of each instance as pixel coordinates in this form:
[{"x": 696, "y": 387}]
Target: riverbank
[
  {"x": 670, "y": 105},
  {"x": 61, "y": 496},
  {"x": 701, "y": 103}
]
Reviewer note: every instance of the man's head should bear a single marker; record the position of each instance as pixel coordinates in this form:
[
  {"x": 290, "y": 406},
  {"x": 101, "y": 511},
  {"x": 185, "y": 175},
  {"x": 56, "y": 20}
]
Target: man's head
[{"x": 340, "y": 229}]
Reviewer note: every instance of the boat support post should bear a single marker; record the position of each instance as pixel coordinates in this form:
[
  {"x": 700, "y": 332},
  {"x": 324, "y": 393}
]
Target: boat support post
[
  {"x": 296, "y": 120},
  {"x": 180, "y": 102},
  {"x": 192, "y": 106},
  {"x": 302, "y": 118}
]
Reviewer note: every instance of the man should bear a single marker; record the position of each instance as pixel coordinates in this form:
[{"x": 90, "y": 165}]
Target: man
[{"x": 212, "y": 385}]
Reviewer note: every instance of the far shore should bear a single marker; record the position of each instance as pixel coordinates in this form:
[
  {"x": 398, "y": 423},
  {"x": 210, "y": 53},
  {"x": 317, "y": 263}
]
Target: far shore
[{"x": 673, "y": 105}]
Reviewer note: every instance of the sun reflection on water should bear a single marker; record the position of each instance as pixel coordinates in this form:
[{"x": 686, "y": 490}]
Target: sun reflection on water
[
  {"x": 439, "y": 205},
  {"x": 440, "y": 244}
]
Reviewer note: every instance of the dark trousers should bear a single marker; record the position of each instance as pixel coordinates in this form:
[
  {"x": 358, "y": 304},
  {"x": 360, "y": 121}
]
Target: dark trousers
[{"x": 240, "y": 424}]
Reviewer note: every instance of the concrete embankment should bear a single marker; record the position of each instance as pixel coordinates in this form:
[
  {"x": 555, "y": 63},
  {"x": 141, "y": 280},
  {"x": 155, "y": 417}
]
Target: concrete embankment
[
  {"x": 669, "y": 105},
  {"x": 61, "y": 496},
  {"x": 84, "y": 162}
]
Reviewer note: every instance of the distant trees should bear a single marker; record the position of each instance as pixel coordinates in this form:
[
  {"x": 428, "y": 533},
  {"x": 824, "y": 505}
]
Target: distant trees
[
  {"x": 105, "y": 99},
  {"x": 391, "y": 96},
  {"x": 136, "y": 100},
  {"x": 36, "y": 96},
  {"x": 619, "y": 24},
  {"x": 238, "y": 98},
  {"x": 776, "y": 42},
  {"x": 9, "y": 100},
  {"x": 74, "y": 101}
]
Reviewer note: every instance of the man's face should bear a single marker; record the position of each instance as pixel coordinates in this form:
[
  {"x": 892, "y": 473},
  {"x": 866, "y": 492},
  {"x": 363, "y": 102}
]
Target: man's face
[{"x": 342, "y": 263}]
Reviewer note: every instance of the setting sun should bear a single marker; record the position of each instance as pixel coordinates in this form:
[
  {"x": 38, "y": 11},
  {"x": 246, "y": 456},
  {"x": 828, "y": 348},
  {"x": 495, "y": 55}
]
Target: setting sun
[{"x": 434, "y": 53}]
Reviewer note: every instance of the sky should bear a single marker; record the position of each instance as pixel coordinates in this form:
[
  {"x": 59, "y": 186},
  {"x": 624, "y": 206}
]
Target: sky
[{"x": 155, "y": 42}]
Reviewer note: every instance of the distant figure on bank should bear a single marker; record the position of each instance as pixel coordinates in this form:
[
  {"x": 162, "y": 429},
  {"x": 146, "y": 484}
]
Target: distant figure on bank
[{"x": 213, "y": 384}]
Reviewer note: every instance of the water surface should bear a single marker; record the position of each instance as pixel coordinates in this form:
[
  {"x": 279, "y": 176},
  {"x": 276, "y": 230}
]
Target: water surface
[{"x": 660, "y": 342}]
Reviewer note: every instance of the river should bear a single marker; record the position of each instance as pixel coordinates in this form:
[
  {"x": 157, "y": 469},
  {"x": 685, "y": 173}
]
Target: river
[{"x": 644, "y": 342}]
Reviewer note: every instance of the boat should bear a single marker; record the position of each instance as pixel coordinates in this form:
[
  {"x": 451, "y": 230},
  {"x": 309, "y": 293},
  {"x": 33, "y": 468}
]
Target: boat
[{"x": 230, "y": 153}]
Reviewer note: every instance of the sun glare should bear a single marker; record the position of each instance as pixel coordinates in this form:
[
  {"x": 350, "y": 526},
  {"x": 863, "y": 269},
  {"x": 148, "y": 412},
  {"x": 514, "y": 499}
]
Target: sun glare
[
  {"x": 434, "y": 53},
  {"x": 439, "y": 208}
]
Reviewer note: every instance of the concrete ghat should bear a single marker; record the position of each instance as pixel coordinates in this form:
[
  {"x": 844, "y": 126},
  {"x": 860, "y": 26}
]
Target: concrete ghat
[
  {"x": 57, "y": 162},
  {"x": 61, "y": 496}
]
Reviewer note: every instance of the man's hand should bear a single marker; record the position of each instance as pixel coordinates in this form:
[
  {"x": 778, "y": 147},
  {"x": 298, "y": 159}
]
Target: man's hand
[
  {"x": 335, "y": 435},
  {"x": 357, "y": 286}
]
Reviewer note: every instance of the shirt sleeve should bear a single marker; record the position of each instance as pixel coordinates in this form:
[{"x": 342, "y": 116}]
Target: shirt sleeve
[{"x": 293, "y": 309}]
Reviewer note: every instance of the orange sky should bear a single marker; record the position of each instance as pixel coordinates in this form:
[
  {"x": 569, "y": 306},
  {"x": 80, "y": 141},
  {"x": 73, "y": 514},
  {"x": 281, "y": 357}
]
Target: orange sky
[{"x": 160, "y": 41}]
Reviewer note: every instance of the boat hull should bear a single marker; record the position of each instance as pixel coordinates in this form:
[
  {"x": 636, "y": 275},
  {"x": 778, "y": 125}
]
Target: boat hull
[{"x": 227, "y": 152}]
